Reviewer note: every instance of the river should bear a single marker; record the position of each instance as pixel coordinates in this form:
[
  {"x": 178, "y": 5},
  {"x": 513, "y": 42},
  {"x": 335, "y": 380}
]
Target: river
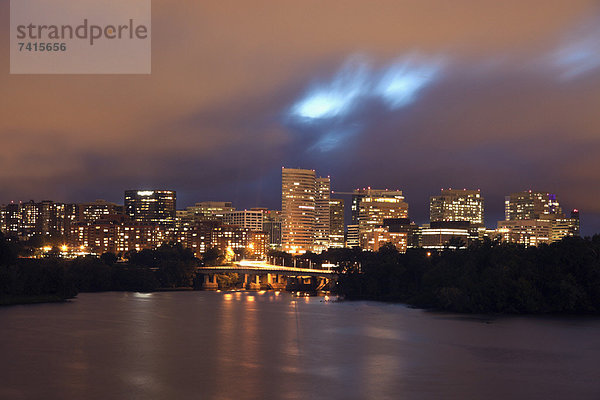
[{"x": 246, "y": 345}]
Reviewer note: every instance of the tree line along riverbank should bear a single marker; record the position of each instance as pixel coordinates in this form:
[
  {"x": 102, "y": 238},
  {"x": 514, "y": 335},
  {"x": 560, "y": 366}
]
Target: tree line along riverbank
[{"x": 488, "y": 277}]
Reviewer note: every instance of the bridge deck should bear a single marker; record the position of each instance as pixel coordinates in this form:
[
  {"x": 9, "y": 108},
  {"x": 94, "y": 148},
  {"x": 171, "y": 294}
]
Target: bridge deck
[{"x": 245, "y": 268}]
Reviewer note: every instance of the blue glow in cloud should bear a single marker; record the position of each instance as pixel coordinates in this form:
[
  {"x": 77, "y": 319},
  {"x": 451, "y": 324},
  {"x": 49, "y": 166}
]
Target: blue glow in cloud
[
  {"x": 580, "y": 53},
  {"x": 335, "y": 137},
  {"x": 401, "y": 82},
  {"x": 396, "y": 85},
  {"x": 339, "y": 96}
]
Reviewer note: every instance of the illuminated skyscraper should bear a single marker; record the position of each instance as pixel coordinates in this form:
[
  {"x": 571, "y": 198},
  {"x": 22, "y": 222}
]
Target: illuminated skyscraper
[
  {"x": 531, "y": 205},
  {"x": 322, "y": 217},
  {"x": 298, "y": 192},
  {"x": 352, "y": 236},
  {"x": 575, "y": 218},
  {"x": 374, "y": 206},
  {"x": 151, "y": 206},
  {"x": 45, "y": 218},
  {"x": 336, "y": 223},
  {"x": 457, "y": 205},
  {"x": 272, "y": 222},
  {"x": 533, "y": 218}
]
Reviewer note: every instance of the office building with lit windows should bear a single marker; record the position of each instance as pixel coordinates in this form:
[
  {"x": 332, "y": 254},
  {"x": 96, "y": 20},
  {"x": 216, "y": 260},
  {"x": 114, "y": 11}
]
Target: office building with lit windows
[
  {"x": 528, "y": 232},
  {"x": 249, "y": 219},
  {"x": 457, "y": 205},
  {"x": 352, "y": 236},
  {"x": 336, "y": 223},
  {"x": 118, "y": 235},
  {"x": 322, "y": 214},
  {"x": 531, "y": 205},
  {"x": 97, "y": 210},
  {"x": 575, "y": 221},
  {"x": 374, "y": 206},
  {"x": 208, "y": 211},
  {"x": 11, "y": 219},
  {"x": 272, "y": 221},
  {"x": 377, "y": 237},
  {"x": 439, "y": 235},
  {"x": 533, "y": 218},
  {"x": 44, "y": 218},
  {"x": 298, "y": 192},
  {"x": 151, "y": 206}
]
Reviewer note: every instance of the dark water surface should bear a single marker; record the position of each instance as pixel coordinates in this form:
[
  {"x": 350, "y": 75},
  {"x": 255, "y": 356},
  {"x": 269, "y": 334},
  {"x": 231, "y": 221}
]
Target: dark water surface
[{"x": 208, "y": 345}]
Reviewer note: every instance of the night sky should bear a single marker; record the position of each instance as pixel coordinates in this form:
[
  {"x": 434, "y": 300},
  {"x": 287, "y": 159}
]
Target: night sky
[{"x": 502, "y": 96}]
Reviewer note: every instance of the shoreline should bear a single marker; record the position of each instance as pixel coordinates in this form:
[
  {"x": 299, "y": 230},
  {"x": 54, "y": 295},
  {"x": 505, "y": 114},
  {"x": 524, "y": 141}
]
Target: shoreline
[{"x": 6, "y": 301}]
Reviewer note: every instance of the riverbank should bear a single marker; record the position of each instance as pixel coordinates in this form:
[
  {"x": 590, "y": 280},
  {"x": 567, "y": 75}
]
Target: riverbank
[{"x": 22, "y": 300}]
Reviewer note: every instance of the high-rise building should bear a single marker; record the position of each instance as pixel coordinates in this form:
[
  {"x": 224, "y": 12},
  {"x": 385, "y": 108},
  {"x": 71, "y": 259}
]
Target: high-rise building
[
  {"x": 249, "y": 219},
  {"x": 272, "y": 227},
  {"x": 533, "y": 218},
  {"x": 97, "y": 210},
  {"x": 531, "y": 205},
  {"x": 355, "y": 206},
  {"x": 11, "y": 220},
  {"x": 209, "y": 210},
  {"x": 352, "y": 236},
  {"x": 45, "y": 218},
  {"x": 374, "y": 206},
  {"x": 575, "y": 218},
  {"x": 322, "y": 214},
  {"x": 298, "y": 192},
  {"x": 151, "y": 206},
  {"x": 336, "y": 223},
  {"x": 457, "y": 205}
]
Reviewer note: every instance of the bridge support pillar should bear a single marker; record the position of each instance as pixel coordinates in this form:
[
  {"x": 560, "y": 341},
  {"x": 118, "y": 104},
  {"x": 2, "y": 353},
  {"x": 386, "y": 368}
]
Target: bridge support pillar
[
  {"x": 276, "y": 282},
  {"x": 254, "y": 284},
  {"x": 210, "y": 282}
]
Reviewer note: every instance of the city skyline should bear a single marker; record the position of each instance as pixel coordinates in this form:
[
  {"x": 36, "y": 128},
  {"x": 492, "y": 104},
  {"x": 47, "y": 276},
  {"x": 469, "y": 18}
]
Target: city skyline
[
  {"x": 374, "y": 99},
  {"x": 348, "y": 205},
  {"x": 488, "y": 222}
]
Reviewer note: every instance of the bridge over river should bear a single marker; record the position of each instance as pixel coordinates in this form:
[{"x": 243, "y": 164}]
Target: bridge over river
[{"x": 259, "y": 275}]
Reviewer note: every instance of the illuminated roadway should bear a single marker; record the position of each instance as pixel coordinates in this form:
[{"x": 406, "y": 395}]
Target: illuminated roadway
[{"x": 254, "y": 267}]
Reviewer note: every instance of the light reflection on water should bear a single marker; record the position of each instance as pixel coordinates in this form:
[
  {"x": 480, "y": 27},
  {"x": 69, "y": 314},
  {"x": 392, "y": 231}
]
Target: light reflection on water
[{"x": 247, "y": 345}]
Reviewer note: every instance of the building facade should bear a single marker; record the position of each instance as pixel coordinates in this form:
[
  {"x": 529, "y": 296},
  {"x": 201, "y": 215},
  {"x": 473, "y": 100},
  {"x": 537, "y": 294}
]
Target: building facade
[
  {"x": 457, "y": 205},
  {"x": 322, "y": 214},
  {"x": 374, "y": 206},
  {"x": 249, "y": 219},
  {"x": 151, "y": 206},
  {"x": 97, "y": 210},
  {"x": 336, "y": 223},
  {"x": 298, "y": 193},
  {"x": 208, "y": 211},
  {"x": 440, "y": 235},
  {"x": 531, "y": 205},
  {"x": 533, "y": 218},
  {"x": 45, "y": 218},
  {"x": 272, "y": 221}
]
